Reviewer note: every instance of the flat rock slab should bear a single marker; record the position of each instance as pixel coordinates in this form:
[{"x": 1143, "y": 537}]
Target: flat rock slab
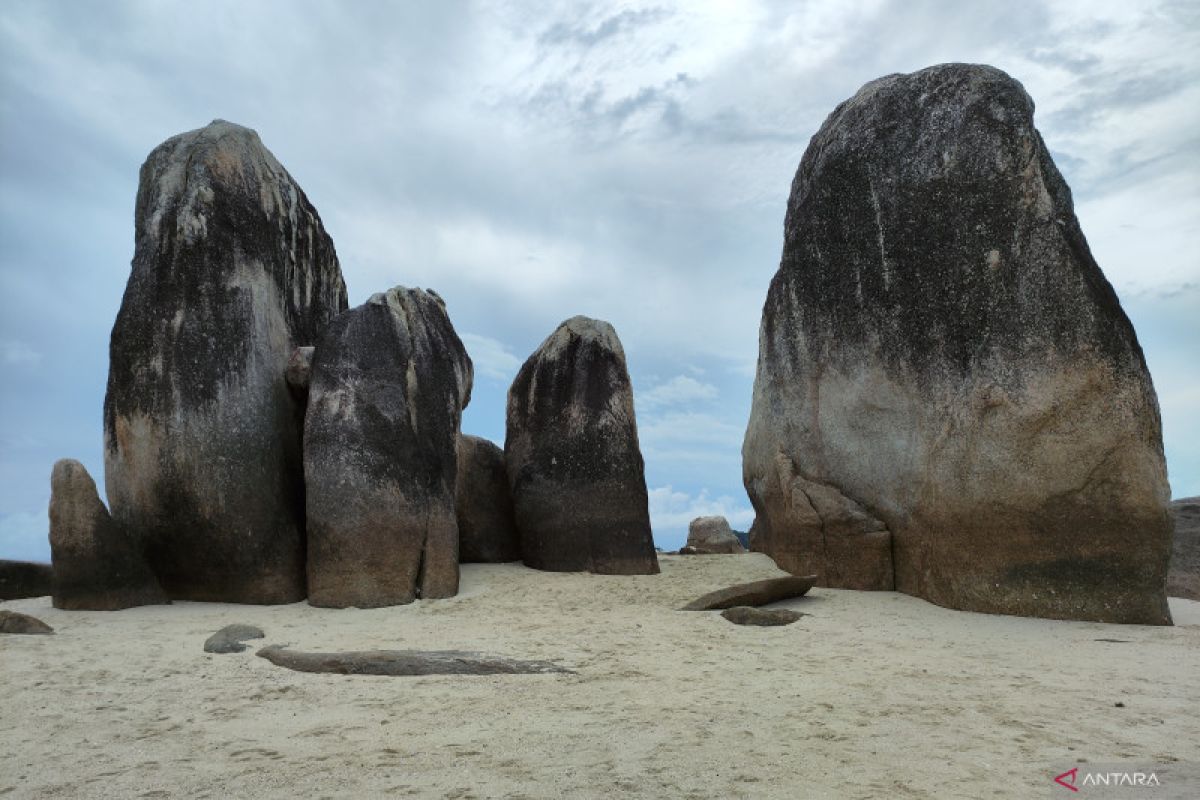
[
  {"x": 12, "y": 622},
  {"x": 405, "y": 662},
  {"x": 229, "y": 639},
  {"x": 763, "y": 617},
  {"x": 758, "y": 593}
]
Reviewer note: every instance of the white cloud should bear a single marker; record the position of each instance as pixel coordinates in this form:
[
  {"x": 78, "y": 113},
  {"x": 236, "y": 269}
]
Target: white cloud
[
  {"x": 679, "y": 390},
  {"x": 491, "y": 357},
  {"x": 13, "y": 352}
]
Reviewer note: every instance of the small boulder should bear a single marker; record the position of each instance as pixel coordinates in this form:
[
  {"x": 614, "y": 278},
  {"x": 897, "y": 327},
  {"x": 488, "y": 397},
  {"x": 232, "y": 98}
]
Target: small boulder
[
  {"x": 1184, "y": 578},
  {"x": 98, "y": 566},
  {"x": 574, "y": 464},
  {"x": 764, "y": 617},
  {"x": 14, "y": 622},
  {"x": 487, "y": 531},
  {"x": 20, "y": 579},
  {"x": 712, "y": 535},
  {"x": 229, "y": 639}
]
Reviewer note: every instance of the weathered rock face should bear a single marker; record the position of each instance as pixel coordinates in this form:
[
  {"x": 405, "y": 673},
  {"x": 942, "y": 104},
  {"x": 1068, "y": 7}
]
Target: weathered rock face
[
  {"x": 20, "y": 579},
  {"x": 1184, "y": 577},
  {"x": 574, "y": 464},
  {"x": 232, "y": 270},
  {"x": 712, "y": 535},
  {"x": 944, "y": 364},
  {"x": 487, "y": 531},
  {"x": 390, "y": 379},
  {"x": 98, "y": 566}
]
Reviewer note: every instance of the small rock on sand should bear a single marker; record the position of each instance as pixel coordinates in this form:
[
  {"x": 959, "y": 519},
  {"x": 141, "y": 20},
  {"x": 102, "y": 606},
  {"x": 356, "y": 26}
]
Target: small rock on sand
[
  {"x": 12, "y": 622},
  {"x": 229, "y": 639},
  {"x": 748, "y": 615}
]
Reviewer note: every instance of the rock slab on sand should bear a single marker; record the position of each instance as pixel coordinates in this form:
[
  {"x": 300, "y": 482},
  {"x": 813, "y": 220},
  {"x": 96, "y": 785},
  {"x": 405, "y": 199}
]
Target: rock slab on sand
[
  {"x": 389, "y": 381},
  {"x": 756, "y": 593},
  {"x": 761, "y": 617},
  {"x": 20, "y": 579},
  {"x": 229, "y": 639},
  {"x": 574, "y": 464},
  {"x": 17, "y": 623},
  {"x": 232, "y": 269},
  {"x": 712, "y": 535},
  {"x": 487, "y": 530},
  {"x": 949, "y": 397},
  {"x": 1184, "y": 577},
  {"x": 406, "y": 663},
  {"x": 98, "y": 566}
]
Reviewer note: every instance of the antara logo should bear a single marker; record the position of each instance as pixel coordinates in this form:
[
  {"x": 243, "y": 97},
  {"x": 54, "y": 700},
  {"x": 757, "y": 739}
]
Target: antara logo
[{"x": 1069, "y": 778}]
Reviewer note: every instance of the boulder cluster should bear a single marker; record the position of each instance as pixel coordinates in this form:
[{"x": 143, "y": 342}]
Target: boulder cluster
[{"x": 266, "y": 444}]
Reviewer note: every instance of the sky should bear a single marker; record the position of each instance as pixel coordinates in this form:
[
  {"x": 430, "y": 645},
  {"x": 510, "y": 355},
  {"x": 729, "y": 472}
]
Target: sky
[{"x": 533, "y": 161}]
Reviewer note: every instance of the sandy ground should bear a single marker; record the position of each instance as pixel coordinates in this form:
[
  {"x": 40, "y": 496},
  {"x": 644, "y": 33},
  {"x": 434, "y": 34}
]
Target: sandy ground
[{"x": 873, "y": 695}]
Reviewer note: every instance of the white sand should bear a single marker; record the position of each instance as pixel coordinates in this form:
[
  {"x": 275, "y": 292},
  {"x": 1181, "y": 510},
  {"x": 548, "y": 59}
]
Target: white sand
[{"x": 874, "y": 695}]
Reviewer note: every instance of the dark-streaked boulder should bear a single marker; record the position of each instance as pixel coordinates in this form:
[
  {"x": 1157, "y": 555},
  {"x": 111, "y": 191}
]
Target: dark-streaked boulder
[
  {"x": 755, "y": 593},
  {"x": 487, "y": 531},
  {"x": 950, "y": 400},
  {"x": 761, "y": 617},
  {"x": 574, "y": 464},
  {"x": 712, "y": 536},
  {"x": 20, "y": 579},
  {"x": 1184, "y": 578},
  {"x": 229, "y": 639},
  {"x": 390, "y": 379},
  {"x": 232, "y": 270},
  {"x": 98, "y": 565},
  {"x": 18, "y": 623}
]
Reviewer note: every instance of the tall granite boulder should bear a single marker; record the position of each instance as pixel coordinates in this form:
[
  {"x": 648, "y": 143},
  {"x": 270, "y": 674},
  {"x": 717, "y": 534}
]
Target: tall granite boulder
[
  {"x": 1184, "y": 578},
  {"x": 232, "y": 270},
  {"x": 574, "y": 464},
  {"x": 388, "y": 384},
  {"x": 487, "y": 531},
  {"x": 713, "y": 536},
  {"x": 98, "y": 566},
  {"x": 949, "y": 398}
]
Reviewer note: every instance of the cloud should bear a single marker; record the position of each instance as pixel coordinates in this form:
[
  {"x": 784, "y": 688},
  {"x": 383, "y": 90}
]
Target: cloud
[
  {"x": 680, "y": 390},
  {"x": 491, "y": 357},
  {"x": 575, "y": 34},
  {"x": 13, "y": 352}
]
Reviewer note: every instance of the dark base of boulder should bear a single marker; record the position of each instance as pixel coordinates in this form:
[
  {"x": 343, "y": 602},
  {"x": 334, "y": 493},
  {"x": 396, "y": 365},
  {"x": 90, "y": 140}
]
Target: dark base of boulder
[
  {"x": 79, "y": 587},
  {"x": 761, "y": 617},
  {"x": 756, "y": 593},
  {"x": 21, "y": 579},
  {"x": 406, "y": 663},
  {"x": 13, "y": 622},
  {"x": 243, "y": 588}
]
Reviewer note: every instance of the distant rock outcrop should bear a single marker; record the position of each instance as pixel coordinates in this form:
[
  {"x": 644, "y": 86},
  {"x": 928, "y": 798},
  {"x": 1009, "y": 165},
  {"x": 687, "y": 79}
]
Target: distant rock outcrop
[
  {"x": 487, "y": 531},
  {"x": 15, "y": 622},
  {"x": 98, "y": 566},
  {"x": 950, "y": 399},
  {"x": 574, "y": 464},
  {"x": 390, "y": 379},
  {"x": 1184, "y": 578},
  {"x": 19, "y": 579},
  {"x": 232, "y": 270},
  {"x": 712, "y": 535}
]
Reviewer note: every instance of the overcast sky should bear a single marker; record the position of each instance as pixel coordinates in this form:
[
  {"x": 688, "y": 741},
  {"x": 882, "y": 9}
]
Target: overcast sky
[{"x": 533, "y": 161}]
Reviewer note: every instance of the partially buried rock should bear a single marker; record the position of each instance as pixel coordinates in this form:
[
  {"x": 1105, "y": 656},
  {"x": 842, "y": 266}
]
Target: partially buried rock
[
  {"x": 98, "y": 565},
  {"x": 229, "y": 639},
  {"x": 390, "y": 379},
  {"x": 574, "y": 464},
  {"x": 232, "y": 270},
  {"x": 763, "y": 617},
  {"x": 20, "y": 579},
  {"x": 487, "y": 531},
  {"x": 755, "y": 593},
  {"x": 950, "y": 400},
  {"x": 712, "y": 535},
  {"x": 405, "y": 663},
  {"x": 1184, "y": 577},
  {"x": 14, "y": 622}
]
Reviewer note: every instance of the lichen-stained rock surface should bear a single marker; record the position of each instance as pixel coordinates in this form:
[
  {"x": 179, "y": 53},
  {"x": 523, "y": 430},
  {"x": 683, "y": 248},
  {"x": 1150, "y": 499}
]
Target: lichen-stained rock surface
[
  {"x": 574, "y": 464},
  {"x": 232, "y": 270},
  {"x": 1184, "y": 577},
  {"x": 389, "y": 381},
  {"x": 98, "y": 565},
  {"x": 941, "y": 350},
  {"x": 487, "y": 531}
]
